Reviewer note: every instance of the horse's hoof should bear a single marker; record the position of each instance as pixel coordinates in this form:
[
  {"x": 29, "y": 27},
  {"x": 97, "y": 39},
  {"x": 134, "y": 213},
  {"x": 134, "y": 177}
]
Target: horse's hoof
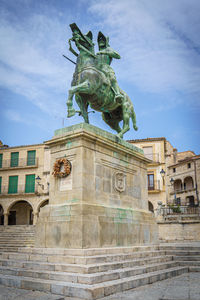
[
  {"x": 119, "y": 135},
  {"x": 71, "y": 112}
]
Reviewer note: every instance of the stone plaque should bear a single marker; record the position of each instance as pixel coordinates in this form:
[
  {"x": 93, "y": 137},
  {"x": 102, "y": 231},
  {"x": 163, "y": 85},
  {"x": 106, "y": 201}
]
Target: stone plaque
[{"x": 65, "y": 183}]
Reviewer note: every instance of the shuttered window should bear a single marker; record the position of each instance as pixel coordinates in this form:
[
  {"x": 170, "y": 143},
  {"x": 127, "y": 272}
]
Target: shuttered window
[
  {"x": 30, "y": 183},
  {"x": 0, "y": 184},
  {"x": 1, "y": 159},
  {"x": 14, "y": 159},
  {"x": 31, "y": 158},
  {"x": 13, "y": 184}
]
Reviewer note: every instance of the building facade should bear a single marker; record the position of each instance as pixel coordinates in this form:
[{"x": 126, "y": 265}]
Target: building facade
[{"x": 24, "y": 177}]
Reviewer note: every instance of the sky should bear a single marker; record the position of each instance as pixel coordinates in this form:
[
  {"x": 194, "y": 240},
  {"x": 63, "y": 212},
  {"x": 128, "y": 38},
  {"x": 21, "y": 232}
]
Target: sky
[{"x": 159, "y": 44}]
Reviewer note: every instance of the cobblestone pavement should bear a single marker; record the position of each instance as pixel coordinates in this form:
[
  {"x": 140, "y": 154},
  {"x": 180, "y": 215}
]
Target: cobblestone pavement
[{"x": 183, "y": 287}]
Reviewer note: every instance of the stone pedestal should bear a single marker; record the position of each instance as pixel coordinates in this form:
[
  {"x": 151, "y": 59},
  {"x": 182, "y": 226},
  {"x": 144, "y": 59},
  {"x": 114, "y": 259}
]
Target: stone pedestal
[{"x": 104, "y": 200}]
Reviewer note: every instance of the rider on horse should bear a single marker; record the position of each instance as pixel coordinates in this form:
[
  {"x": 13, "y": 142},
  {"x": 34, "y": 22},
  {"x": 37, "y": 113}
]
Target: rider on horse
[{"x": 104, "y": 59}]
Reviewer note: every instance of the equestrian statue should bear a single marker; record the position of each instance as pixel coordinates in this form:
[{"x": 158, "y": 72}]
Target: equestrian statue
[{"x": 94, "y": 83}]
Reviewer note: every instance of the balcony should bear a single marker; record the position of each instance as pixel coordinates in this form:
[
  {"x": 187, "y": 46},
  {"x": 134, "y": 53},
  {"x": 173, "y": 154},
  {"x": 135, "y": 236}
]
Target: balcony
[
  {"x": 155, "y": 157},
  {"x": 21, "y": 163},
  {"x": 181, "y": 190},
  {"x": 154, "y": 186},
  {"x": 22, "y": 189},
  {"x": 180, "y": 210}
]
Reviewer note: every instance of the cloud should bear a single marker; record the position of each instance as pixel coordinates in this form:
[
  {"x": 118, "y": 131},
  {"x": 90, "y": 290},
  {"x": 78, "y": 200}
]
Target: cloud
[
  {"x": 31, "y": 62},
  {"x": 158, "y": 41}
]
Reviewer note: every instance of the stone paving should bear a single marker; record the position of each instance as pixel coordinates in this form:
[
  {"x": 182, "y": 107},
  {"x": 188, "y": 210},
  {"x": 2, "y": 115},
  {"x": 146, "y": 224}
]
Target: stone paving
[{"x": 183, "y": 287}]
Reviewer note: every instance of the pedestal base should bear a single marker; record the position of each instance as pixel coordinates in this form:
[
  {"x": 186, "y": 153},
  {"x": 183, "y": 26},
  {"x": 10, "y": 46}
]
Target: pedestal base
[{"x": 104, "y": 201}]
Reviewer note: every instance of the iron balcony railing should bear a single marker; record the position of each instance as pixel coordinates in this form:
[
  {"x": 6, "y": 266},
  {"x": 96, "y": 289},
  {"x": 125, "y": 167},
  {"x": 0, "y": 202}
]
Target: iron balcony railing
[
  {"x": 180, "y": 210},
  {"x": 155, "y": 185},
  {"x": 18, "y": 189},
  {"x": 19, "y": 163},
  {"x": 155, "y": 157},
  {"x": 181, "y": 190}
]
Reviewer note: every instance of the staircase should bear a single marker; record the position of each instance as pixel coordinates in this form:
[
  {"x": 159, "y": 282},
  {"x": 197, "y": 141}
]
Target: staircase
[
  {"x": 93, "y": 273},
  {"x": 12, "y": 237}
]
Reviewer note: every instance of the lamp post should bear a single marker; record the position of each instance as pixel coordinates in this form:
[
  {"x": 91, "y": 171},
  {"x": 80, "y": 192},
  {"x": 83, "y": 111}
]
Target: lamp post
[{"x": 172, "y": 182}]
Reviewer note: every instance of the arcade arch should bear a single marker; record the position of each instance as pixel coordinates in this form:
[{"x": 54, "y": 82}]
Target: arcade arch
[{"x": 20, "y": 213}]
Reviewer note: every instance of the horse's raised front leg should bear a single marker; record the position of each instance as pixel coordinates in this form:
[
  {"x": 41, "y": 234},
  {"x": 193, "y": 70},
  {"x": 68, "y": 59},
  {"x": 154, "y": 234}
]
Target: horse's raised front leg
[{"x": 80, "y": 88}]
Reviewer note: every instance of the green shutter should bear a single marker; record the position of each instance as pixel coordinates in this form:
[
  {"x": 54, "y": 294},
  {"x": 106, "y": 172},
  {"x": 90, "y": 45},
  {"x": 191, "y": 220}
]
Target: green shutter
[
  {"x": 0, "y": 184},
  {"x": 13, "y": 184},
  {"x": 14, "y": 159},
  {"x": 31, "y": 158},
  {"x": 1, "y": 158},
  {"x": 30, "y": 183}
]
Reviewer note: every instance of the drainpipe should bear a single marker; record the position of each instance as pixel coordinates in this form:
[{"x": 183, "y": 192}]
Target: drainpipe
[{"x": 196, "y": 187}]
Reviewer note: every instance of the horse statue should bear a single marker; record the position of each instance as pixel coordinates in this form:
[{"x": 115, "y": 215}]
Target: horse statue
[{"x": 94, "y": 83}]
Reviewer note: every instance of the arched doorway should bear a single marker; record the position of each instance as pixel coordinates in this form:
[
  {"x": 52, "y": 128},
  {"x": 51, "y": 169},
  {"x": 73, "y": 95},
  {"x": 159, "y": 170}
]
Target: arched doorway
[
  {"x": 150, "y": 205},
  {"x": 177, "y": 185},
  {"x": 188, "y": 183},
  {"x": 190, "y": 201},
  {"x": 20, "y": 213},
  {"x": 44, "y": 203},
  {"x": 1, "y": 215}
]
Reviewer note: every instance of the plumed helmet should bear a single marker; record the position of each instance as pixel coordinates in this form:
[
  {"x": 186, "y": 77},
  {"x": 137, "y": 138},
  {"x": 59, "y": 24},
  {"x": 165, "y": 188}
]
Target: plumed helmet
[{"x": 101, "y": 37}]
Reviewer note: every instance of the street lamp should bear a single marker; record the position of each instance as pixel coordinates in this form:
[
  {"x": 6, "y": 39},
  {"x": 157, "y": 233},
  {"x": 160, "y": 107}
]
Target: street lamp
[
  {"x": 38, "y": 179},
  {"x": 162, "y": 173}
]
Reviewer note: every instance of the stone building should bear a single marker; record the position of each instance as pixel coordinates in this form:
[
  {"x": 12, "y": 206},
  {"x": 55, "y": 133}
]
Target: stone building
[
  {"x": 24, "y": 177},
  {"x": 184, "y": 176},
  {"x": 160, "y": 152}
]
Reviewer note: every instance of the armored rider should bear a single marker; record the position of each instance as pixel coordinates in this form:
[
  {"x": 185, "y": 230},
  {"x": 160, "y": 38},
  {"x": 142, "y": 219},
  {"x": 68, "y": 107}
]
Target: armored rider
[{"x": 104, "y": 59}]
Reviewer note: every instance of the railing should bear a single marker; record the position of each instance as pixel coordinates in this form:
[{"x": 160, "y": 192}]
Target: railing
[
  {"x": 153, "y": 156},
  {"x": 19, "y": 189},
  {"x": 19, "y": 163},
  {"x": 182, "y": 190},
  {"x": 179, "y": 210},
  {"x": 154, "y": 186}
]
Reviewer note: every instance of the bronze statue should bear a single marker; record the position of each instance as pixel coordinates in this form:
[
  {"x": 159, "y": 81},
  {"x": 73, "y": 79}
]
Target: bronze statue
[{"x": 94, "y": 83}]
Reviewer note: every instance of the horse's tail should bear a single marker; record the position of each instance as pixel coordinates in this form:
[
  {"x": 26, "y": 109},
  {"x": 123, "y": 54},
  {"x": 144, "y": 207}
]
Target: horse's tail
[{"x": 133, "y": 118}]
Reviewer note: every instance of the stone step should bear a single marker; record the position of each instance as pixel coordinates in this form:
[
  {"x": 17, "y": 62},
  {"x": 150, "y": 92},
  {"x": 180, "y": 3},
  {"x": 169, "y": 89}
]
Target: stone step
[
  {"x": 85, "y": 269},
  {"x": 183, "y": 252},
  {"x": 194, "y": 269},
  {"x": 189, "y": 263},
  {"x": 186, "y": 258},
  {"x": 87, "y": 278},
  {"x": 86, "y": 291},
  {"x": 179, "y": 248},
  {"x": 92, "y": 251},
  {"x": 82, "y": 259}
]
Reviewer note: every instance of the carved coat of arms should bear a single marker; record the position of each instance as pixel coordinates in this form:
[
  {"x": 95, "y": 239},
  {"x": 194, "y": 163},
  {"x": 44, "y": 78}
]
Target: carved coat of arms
[{"x": 120, "y": 181}]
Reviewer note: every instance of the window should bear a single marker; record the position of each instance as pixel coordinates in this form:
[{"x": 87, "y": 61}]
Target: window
[
  {"x": 14, "y": 159},
  {"x": 148, "y": 152},
  {"x": 178, "y": 201},
  {"x": 31, "y": 158},
  {"x": 30, "y": 183},
  {"x": 150, "y": 181},
  {"x": 0, "y": 184},
  {"x": 1, "y": 159},
  {"x": 189, "y": 165},
  {"x": 13, "y": 184},
  {"x": 174, "y": 170}
]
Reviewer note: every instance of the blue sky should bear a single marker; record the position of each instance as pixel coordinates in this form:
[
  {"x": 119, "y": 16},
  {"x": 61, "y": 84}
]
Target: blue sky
[{"x": 159, "y": 44}]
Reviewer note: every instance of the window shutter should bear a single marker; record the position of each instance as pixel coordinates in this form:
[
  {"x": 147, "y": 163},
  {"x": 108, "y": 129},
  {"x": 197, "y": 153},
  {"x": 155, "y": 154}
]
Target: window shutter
[
  {"x": 31, "y": 158},
  {"x": 13, "y": 185},
  {"x": 0, "y": 184},
  {"x": 1, "y": 158},
  {"x": 30, "y": 183},
  {"x": 14, "y": 159}
]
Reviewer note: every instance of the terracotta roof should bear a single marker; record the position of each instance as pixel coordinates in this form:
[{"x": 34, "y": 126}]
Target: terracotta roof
[{"x": 147, "y": 140}]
